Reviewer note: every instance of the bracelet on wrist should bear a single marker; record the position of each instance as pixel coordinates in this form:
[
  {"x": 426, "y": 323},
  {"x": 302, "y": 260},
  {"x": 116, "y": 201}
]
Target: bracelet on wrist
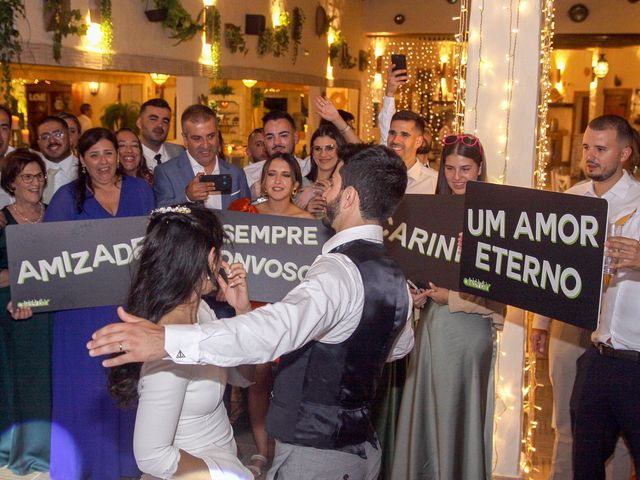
[{"x": 345, "y": 129}]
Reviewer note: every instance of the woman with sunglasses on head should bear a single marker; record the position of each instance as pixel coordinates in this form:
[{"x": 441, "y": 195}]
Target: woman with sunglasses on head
[
  {"x": 326, "y": 142},
  {"x": 25, "y": 371},
  {"x": 182, "y": 427},
  {"x": 446, "y": 415}
]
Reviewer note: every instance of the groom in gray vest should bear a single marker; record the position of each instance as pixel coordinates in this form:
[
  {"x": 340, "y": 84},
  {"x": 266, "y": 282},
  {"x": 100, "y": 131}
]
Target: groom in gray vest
[{"x": 333, "y": 332}]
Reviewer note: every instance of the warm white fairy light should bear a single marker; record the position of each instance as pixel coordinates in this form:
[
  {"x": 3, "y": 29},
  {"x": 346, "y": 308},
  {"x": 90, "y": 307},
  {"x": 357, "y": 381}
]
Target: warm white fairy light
[
  {"x": 460, "y": 61},
  {"x": 546, "y": 50},
  {"x": 429, "y": 78}
]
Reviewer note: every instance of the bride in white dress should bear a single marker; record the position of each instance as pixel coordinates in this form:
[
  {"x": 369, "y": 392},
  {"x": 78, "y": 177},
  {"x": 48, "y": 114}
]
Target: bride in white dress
[{"x": 182, "y": 427}]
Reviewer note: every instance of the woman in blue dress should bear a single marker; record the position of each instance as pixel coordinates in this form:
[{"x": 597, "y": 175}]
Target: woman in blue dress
[{"x": 91, "y": 437}]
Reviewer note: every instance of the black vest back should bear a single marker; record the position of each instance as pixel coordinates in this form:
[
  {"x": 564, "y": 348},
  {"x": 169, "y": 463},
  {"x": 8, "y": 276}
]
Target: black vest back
[{"x": 322, "y": 393}]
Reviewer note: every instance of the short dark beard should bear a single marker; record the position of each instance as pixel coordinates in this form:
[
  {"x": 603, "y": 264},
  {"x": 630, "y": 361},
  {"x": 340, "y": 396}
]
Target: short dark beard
[{"x": 333, "y": 209}]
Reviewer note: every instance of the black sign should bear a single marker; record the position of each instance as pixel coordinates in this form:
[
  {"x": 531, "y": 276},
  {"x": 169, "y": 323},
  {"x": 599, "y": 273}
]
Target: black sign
[
  {"x": 422, "y": 236},
  {"x": 89, "y": 263},
  {"x": 541, "y": 251}
]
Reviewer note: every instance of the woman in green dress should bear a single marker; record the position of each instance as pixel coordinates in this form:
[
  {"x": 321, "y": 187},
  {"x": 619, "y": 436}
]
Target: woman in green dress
[
  {"x": 445, "y": 423},
  {"x": 25, "y": 345}
]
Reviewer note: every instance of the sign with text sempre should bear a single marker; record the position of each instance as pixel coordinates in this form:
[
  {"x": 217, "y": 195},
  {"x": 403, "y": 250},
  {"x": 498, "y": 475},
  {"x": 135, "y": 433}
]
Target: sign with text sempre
[
  {"x": 89, "y": 263},
  {"x": 422, "y": 236},
  {"x": 541, "y": 251}
]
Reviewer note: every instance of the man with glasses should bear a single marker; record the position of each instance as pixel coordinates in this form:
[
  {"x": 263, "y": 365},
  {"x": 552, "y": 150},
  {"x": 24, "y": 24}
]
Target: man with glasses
[{"x": 53, "y": 142}]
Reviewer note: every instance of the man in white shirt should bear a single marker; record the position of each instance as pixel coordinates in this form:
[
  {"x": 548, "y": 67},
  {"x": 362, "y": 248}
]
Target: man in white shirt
[
  {"x": 598, "y": 414},
  {"x": 154, "y": 122},
  {"x": 337, "y": 318},
  {"x": 5, "y": 138},
  {"x": 53, "y": 142},
  {"x": 178, "y": 180},
  {"x": 85, "y": 117}
]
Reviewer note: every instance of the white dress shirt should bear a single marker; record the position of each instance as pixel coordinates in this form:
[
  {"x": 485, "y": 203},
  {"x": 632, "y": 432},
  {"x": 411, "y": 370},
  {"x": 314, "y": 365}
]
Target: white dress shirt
[
  {"x": 619, "y": 325},
  {"x": 253, "y": 171},
  {"x": 326, "y": 306},
  {"x": 149, "y": 156},
  {"x": 59, "y": 174},
  {"x": 214, "y": 200},
  {"x": 5, "y": 197},
  {"x": 421, "y": 179}
]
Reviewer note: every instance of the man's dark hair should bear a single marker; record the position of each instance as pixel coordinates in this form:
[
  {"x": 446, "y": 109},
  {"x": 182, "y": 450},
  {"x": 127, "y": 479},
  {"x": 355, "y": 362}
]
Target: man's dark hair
[
  {"x": 155, "y": 102},
  {"x": 73, "y": 118},
  {"x": 85, "y": 107},
  {"x": 409, "y": 116},
  {"x": 53, "y": 118},
  {"x": 197, "y": 113},
  {"x": 346, "y": 116},
  {"x": 279, "y": 115},
  {"x": 255, "y": 131},
  {"x": 624, "y": 131},
  {"x": 6, "y": 110},
  {"x": 379, "y": 176}
]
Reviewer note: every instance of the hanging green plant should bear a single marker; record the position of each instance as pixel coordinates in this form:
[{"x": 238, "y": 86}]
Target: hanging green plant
[
  {"x": 179, "y": 23},
  {"x": 222, "y": 89},
  {"x": 64, "y": 22},
  {"x": 10, "y": 48},
  {"x": 212, "y": 31},
  {"x": 281, "y": 36},
  {"x": 339, "y": 49},
  {"x": 257, "y": 97},
  {"x": 234, "y": 38},
  {"x": 297, "y": 22},
  {"x": 265, "y": 42},
  {"x": 106, "y": 28}
]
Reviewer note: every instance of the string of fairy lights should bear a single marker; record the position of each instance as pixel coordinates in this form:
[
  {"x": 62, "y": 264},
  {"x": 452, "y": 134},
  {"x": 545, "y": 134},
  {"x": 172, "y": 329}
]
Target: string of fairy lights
[
  {"x": 546, "y": 50},
  {"x": 433, "y": 84},
  {"x": 460, "y": 61}
]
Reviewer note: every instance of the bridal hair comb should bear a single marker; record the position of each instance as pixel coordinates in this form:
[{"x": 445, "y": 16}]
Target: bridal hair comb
[{"x": 177, "y": 209}]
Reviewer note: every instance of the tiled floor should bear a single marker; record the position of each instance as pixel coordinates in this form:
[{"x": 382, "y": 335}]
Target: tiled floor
[{"x": 544, "y": 433}]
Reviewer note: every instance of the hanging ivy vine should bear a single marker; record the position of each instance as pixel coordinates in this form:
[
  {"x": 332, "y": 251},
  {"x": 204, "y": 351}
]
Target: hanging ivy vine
[
  {"x": 106, "y": 27},
  {"x": 297, "y": 21},
  {"x": 64, "y": 22},
  {"x": 10, "y": 47},
  {"x": 281, "y": 36},
  {"x": 213, "y": 32}
]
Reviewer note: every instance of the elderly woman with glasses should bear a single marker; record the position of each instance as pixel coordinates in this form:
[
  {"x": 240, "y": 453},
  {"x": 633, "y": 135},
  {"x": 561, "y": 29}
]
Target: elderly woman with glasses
[
  {"x": 446, "y": 415},
  {"x": 25, "y": 345}
]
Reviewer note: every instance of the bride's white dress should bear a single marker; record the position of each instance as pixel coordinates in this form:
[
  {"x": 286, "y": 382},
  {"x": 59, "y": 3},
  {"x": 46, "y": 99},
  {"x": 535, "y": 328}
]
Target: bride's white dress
[{"x": 181, "y": 408}]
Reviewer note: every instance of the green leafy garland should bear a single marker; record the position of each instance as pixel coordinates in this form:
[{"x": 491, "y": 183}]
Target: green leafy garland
[
  {"x": 10, "y": 47},
  {"x": 296, "y": 31},
  {"x": 64, "y": 23},
  {"x": 106, "y": 27}
]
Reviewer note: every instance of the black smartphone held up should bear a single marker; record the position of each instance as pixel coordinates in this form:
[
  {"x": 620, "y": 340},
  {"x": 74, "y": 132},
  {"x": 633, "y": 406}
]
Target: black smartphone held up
[
  {"x": 399, "y": 61},
  {"x": 222, "y": 181}
]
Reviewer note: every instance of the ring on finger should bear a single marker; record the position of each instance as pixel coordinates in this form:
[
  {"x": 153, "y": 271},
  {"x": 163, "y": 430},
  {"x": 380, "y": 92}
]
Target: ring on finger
[{"x": 120, "y": 347}]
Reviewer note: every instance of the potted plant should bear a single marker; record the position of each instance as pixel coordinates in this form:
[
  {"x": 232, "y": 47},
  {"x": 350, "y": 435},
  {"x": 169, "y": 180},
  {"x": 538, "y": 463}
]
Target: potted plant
[
  {"x": 222, "y": 89},
  {"x": 234, "y": 39},
  {"x": 157, "y": 14},
  {"x": 297, "y": 22},
  {"x": 120, "y": 115}
]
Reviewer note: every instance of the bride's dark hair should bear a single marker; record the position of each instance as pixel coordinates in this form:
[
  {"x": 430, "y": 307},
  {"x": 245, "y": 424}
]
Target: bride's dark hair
[{"x": 173, "y": 262}]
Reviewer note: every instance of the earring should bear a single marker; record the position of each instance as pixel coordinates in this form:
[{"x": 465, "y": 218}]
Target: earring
[
  {"x": 84, "y": 169},
  {"x": 294, "y": 192}
]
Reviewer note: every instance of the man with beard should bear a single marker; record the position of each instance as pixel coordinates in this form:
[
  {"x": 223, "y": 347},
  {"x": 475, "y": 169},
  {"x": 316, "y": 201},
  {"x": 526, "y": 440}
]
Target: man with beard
[
  {"x": 53, "y": 142},
  {"x": 332, "y": 333},
  {"x": 606, "y": 394},
  {"x": 178, "y": 180},
  {"x": 154, "y": 122},
  {"x": 5, "y": 137}
]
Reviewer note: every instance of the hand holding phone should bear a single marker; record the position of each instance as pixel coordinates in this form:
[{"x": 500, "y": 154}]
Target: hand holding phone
[
  {"x": 414, "y": 287},
  {"x": 222, "y": 182}
]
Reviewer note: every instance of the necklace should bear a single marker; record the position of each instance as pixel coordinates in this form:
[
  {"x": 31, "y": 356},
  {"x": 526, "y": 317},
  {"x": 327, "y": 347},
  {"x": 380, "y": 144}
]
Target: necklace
[{"x": 25, "y": 218}]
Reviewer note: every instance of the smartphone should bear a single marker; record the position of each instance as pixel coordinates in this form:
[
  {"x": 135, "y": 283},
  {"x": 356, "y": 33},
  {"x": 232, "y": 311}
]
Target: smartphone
[
  {"x": 399, "y": 61},
  {"x": 223, "y": 274},
  {"x": 222, "y": 181}
]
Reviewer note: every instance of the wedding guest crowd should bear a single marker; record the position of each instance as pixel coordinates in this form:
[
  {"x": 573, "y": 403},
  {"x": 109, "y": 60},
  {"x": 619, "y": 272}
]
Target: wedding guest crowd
[{"x": 340, "y": 343}]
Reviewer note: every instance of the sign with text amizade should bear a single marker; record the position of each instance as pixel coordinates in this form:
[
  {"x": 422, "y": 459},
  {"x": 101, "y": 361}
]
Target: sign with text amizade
[
  {"x": 540, "y": 251},
  {"x": 422, "y": 236},
  {"x": 89, "y": 263}
]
